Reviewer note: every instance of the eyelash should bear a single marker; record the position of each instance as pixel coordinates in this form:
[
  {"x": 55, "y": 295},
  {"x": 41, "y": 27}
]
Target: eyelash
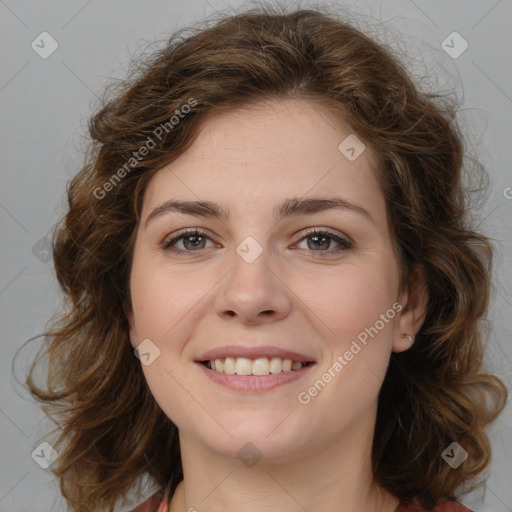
[{"x": 344, "y": 243}]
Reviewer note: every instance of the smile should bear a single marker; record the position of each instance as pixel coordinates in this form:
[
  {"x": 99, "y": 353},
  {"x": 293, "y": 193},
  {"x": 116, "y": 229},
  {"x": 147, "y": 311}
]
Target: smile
[
  {"x": 249, "y": 382},
  {"x": 259, "y": 366}
]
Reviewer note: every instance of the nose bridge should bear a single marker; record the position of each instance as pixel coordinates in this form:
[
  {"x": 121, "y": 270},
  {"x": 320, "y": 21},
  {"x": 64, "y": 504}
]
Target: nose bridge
[
  {"x": 251, "y": 289},
  {"x": 251, "y": 265}
]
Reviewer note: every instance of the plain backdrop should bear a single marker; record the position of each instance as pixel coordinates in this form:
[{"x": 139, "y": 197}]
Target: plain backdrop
[{"x": 45, "y": 104}]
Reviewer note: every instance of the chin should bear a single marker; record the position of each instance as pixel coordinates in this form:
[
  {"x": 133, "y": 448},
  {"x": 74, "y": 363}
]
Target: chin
[
  {"x": 267, "y": 436},
  {"x": 257, "y": 447}
]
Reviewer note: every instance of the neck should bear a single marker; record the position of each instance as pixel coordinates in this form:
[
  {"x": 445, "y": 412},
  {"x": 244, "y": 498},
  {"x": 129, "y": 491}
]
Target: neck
[{"x": 338, "y": 477}]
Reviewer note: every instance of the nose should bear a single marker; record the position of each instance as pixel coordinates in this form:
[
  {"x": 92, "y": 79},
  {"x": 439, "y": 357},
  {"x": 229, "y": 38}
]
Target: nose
[{"x": 253, "y": 293}]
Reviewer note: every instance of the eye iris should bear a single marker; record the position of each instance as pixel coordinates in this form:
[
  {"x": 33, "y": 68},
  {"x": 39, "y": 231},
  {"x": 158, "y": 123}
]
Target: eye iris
[
  {"x": 187, "y": 239},
  {"x": 316, "y": 238}
]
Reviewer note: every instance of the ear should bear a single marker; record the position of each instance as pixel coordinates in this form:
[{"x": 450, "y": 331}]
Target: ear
[{"x": 414, "y": 300}]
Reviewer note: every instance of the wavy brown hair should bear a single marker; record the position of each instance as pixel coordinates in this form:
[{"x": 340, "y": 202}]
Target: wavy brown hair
[{"x": 111, "y": 431}]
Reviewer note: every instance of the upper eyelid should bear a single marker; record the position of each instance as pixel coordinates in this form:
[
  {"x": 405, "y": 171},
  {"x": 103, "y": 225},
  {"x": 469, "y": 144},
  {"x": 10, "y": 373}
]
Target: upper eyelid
[{"x": 187, "y": 232}]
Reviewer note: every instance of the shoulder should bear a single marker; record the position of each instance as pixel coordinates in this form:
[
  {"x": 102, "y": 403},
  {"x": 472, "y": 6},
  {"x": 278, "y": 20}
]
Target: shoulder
[
  {"x": 448, "y": 506},
  {"x": 154, "y": 503}
]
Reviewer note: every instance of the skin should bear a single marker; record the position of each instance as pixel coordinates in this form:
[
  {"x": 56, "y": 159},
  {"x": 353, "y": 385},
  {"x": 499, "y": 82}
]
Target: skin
[{"x": 315, "y": 456}]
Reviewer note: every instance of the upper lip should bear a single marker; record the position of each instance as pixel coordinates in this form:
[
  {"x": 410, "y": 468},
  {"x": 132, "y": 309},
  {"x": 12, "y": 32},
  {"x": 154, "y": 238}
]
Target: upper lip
[{"x": 253, "y": 353}]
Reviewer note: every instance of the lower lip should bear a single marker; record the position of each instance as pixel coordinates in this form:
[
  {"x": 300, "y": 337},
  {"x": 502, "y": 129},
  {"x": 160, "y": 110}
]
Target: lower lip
[{"x": 254, "y": 382}]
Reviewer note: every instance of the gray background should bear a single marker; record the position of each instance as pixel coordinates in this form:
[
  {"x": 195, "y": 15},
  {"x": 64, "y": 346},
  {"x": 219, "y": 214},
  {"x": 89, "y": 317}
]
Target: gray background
[{"x": 45, "y": 104}]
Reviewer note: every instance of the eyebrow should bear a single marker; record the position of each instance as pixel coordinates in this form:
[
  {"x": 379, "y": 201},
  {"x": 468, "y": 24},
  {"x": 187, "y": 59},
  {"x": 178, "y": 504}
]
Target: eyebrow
[{"x": 288, "y": 208}]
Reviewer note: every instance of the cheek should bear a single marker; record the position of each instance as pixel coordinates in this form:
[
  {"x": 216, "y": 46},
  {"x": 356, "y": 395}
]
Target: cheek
[
  {"x": 352, "y": 299},
  {"x": 166, "y": 304},
  {"x": 163, "y": 299},
  {"x": 357, "y": 306}
]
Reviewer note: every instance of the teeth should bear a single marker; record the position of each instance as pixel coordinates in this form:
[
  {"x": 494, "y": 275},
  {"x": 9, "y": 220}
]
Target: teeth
[
  {"x": 229, "y": 365},
  {"x": 276, "y": 365},
  {"x": 243, "y": 366},
  {"x": 287, "y": 365},
  {"x": 258, "y": 366}
]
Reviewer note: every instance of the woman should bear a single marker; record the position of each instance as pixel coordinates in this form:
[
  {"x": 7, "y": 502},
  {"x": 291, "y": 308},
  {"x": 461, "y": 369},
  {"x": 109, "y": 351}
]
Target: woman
[{"x": 273, "y": 220}]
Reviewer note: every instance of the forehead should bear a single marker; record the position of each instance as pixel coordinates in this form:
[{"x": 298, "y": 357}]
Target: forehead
[{"x": 272, "y": 149}]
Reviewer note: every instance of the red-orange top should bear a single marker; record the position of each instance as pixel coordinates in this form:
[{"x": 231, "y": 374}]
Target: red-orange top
[{"x": 448, "y": 506}]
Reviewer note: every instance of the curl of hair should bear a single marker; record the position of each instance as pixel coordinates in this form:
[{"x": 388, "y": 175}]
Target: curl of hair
[{"x": 111, "y": 429}]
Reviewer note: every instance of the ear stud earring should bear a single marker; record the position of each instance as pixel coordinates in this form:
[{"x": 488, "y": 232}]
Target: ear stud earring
[{"x": 410, "y": 338}]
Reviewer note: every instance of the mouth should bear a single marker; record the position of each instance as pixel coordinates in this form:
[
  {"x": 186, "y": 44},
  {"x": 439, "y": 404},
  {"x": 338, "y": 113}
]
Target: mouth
[
  {"x": 259, "y": 366},
  {"x": 256, "y": 375},
  {"x": 254, "y": 369}
]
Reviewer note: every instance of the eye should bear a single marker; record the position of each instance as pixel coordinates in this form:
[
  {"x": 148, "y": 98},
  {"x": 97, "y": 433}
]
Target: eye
[
  {"x": 319, "y": 241},
  {"x": 192, "y": 240}
]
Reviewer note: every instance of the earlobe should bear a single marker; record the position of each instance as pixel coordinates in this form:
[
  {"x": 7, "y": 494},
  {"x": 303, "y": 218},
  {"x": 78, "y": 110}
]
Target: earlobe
[
  {"x": 405, "y": 342},
  {"x": 412, "y": 315},
  {"x": 409, "y": 338}
]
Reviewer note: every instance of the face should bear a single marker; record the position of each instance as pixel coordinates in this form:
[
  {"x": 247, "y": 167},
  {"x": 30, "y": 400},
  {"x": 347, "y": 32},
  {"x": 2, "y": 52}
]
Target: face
[{"x": 279, "y": 277}]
